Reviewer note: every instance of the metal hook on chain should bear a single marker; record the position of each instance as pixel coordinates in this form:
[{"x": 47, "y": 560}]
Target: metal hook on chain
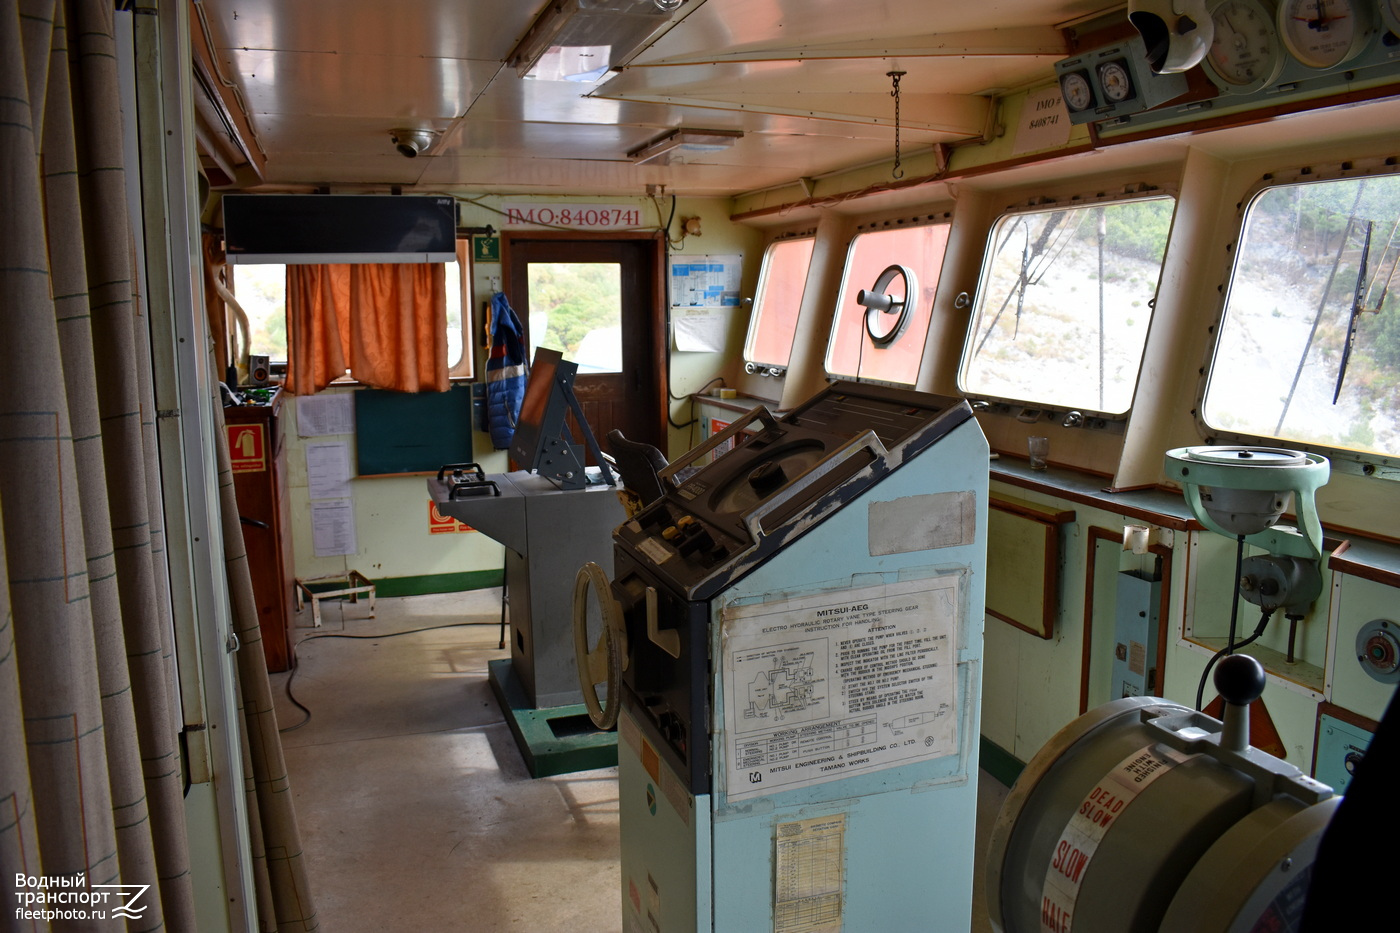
[{"x": 894, "y": 76}]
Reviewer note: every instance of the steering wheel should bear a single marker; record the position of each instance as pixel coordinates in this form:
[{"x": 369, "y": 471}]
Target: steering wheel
[
  {"x": 877, "y": 300},
  {"x": 601, "y": 664}
]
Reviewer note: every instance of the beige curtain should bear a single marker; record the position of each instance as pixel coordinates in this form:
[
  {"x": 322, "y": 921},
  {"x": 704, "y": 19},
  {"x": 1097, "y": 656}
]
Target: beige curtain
[
  {"x": 284, "y": 895},
  {"x": 386, "y": 323},
  {"x": 91, "y": 783}
]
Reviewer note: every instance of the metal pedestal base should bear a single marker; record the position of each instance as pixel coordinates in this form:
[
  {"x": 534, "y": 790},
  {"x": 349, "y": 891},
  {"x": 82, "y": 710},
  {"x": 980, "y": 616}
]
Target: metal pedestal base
[{"x": 553, "y": 740}]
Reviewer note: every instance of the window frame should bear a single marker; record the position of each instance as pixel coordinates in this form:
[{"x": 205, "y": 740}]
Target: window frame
[
  {"x": 1343, "y": 459},
  {"x": 942, "y": 218},
  {"x": 1032, "y": 409},
  {"x": 769, "y": 367},
  {"x": 463, "y": 369}
]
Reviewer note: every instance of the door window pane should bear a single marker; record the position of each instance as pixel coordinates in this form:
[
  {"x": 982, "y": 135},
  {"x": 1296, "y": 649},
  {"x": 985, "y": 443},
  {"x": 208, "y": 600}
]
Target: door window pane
[
  {"x": 1309, "y": 345},
  {"x": 576, "y": 308},
  {"x": 1064, "y": 304},
  {"x": 851, "y": 350},
  {"x": 780, "y": 285}
]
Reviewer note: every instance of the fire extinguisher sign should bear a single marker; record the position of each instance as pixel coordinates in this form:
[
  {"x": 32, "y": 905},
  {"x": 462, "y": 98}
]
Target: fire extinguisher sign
[{"x": 247, "y": 447}]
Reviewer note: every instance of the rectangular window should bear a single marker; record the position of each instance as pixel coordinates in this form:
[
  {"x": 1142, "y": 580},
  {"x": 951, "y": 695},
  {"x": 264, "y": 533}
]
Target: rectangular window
[
  {"x": 1064, "y": 303},
  {"x": 1309, "y": 342},
  {"x": 781, "y": 282},
  {"x": 576, "y": 308},
  {"x": 261, "y": 291},
  {"x": 900, "y": 268}
]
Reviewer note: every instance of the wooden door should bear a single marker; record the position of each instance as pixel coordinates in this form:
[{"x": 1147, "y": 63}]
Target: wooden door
[{"x": 599, "y": 300}]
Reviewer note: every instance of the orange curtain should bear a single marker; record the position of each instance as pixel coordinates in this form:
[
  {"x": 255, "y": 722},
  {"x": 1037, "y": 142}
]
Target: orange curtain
[{"x": 385, "y": 323}]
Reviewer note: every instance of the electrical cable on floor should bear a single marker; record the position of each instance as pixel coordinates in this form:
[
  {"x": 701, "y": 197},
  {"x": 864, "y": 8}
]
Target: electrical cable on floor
[{"x": 413, "y": 631}]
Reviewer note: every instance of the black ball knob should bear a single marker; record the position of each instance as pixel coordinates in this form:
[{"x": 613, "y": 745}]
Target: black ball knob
[{"x": 1239, "y": 679}]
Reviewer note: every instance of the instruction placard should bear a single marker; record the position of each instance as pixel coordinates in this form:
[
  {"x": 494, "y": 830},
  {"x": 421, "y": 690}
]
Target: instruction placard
[
  {"x": 809, "y": 886},
  {"x": 845, "y": 682}
]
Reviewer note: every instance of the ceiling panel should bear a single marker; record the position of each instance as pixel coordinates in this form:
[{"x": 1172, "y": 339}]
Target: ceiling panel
[
  {"x": 358, "y": 85},
  {"x": 324, "y": 81},
  {"x": 745, "y": 25},
  {"x": 477, "y": 29}
]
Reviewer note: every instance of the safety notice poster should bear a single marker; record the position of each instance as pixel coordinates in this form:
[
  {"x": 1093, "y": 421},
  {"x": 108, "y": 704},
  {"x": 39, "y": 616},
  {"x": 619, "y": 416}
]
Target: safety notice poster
[{"x": 847, "y": 682}]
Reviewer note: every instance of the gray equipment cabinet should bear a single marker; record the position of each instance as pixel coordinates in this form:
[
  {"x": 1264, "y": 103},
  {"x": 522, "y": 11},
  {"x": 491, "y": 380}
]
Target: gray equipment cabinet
[{"x": 549, "y": 533}]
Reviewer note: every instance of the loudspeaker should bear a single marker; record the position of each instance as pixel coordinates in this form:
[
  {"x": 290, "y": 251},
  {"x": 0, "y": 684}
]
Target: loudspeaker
[{"x": 259, "y": 372}]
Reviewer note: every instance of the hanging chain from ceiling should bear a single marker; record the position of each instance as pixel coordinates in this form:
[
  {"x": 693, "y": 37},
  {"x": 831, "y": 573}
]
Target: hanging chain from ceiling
[{"x": 894, "y": 76}]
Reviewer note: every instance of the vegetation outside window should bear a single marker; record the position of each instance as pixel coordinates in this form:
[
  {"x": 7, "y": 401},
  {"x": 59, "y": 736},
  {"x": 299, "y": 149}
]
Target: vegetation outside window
[
  {"x": 853, "y": 349},
  {"x": 1309, "y": 344},
  {"x": 576, "y": 308},
  {"x": 780, "y": 285},
  {"x": 1064, "y": 304}
]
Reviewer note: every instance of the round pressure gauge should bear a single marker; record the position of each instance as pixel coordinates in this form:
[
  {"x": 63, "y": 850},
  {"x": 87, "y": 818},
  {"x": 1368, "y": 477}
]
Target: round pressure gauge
[
  {"x": 1074, "y": 87},
  {"x": 1324, "y": 33},
  {"x": 1113, "y": 78},
  {"x": 1390, "y": 15},
  {"x": 1244, "y": 56}
]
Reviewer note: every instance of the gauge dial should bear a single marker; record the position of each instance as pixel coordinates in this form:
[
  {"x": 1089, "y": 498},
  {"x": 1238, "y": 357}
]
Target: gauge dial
[
  {"x": 1074, "y": 87},
  {"x": 1244, "y": 55},
  {"x": 1113, "y": 78},
  {"x": 1390, "y": 15},
  {"x": 1324, "y": 33}
]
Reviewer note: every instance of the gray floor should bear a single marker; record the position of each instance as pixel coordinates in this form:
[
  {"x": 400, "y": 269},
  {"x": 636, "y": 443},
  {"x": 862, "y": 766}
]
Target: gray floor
[{"x": 415, "y": 808}]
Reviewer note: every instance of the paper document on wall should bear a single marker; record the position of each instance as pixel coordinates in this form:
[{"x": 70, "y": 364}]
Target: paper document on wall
[
  {"x": 333, "y": 527},
  {"x": 843, "y": 682},
  {"x": 809, "y": 884},
  {"x": 697, "y": 330},
  {"x": 328, "y": 469},
  {"x": 325, "y": 413},
  {"x": 705, "y": 281}
]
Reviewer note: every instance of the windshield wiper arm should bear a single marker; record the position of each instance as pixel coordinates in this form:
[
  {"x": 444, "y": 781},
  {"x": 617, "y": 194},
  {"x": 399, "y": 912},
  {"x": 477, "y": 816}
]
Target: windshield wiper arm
[{"x": 1357, "y": 301}]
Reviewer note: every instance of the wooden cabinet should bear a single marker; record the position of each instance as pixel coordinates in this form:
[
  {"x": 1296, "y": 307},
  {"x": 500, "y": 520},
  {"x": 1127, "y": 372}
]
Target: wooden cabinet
[{"x": 260, "y": 482}]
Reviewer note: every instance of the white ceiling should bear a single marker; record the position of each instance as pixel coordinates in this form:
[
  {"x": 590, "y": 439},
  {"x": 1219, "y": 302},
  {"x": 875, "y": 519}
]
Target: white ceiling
[{"x": 322, "y": 82}]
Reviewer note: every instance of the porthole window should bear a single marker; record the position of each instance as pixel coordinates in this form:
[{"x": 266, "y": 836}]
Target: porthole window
[
  {"x": 1308, "y": 350},
  {"x": 1064, "y": 303}
]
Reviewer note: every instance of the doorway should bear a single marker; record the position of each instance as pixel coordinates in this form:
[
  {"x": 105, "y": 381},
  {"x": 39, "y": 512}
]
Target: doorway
[{"x": 598, "y": 300}]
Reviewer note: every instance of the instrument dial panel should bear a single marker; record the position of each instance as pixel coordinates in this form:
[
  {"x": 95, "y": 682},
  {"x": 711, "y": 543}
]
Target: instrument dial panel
[
  {"x": 1324, "y": 33},
  {"x": 1245, "y": 55}
]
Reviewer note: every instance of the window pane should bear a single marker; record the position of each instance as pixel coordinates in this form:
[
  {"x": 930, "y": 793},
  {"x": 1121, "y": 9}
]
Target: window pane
[
  {"x": 851, "y": 351},
  {"x": 576, "y": 308},
  {"x": 261, "y": 291},
  {"x": 1063, "y": 308},
  {"x": 453, "y": 279},
  {"x": 780, "y": 285},
  {"x": 1282, "y": 367}
]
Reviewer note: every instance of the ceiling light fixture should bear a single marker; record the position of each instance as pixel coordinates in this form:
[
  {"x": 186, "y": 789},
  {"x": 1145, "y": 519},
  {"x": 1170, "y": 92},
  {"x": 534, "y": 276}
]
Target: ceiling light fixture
[
  {"x": 617, "y": 27},
  {"x": 685, "y": 139}
]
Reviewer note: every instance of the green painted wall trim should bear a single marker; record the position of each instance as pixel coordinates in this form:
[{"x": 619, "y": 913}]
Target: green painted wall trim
[
  {"x": 438, "y": 583},
  {"x": 1000, "y": 763}
]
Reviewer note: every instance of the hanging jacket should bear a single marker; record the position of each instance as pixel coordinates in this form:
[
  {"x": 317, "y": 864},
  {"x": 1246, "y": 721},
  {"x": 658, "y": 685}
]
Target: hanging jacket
[{"x": 506, "y": 372}]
